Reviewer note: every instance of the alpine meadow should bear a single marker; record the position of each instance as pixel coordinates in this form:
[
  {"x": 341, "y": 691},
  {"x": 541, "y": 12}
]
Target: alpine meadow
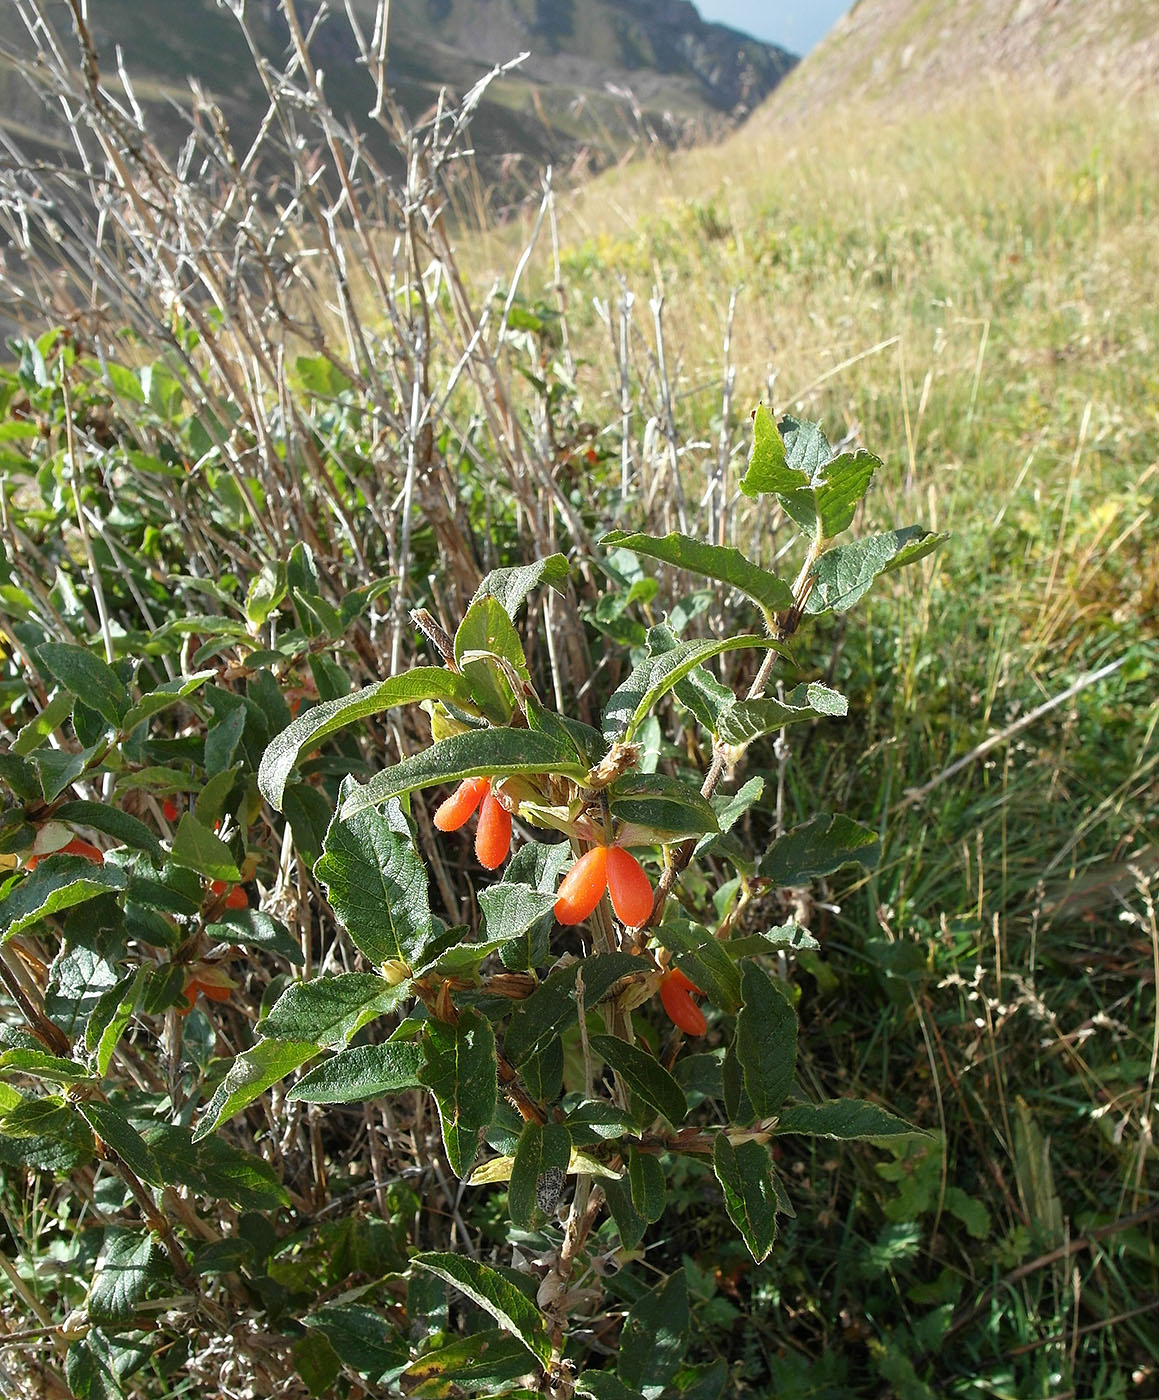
[{"x": 578, "y": 761}]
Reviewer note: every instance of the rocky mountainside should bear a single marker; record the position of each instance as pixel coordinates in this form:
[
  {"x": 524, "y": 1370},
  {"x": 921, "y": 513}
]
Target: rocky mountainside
[
  {"x": 905, "y": 51},
  {"x": 601, "y": 76}
]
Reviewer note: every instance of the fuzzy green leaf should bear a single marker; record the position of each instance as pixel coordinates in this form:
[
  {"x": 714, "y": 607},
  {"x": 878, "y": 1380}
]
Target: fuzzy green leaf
[
  {"x": 551, "y": 1008},
  {"x": 330, "y": 1010},
  {"x": 318, "y": 723},
  {"x": 478, "y": 753},
  {"x": 749, "y": 719},
  {"x": 362, "y": 1338},
  {"x": 377, "y": 885},
  {"x": 745, "y": 1173},
  {"x": 251, "y": 1074},
  {"x": 654, "y": 677},
  {"x": 659, "y": 807},
  {"x": 538, "y": 1173},
  {"x": 766, "y": 1041},
  {"x": 89, "y": 678},
  {"x": 844, "y": 1119},
  {"x": 197, "y": 848},
  {"x": 511, "y": 586},
  {"x": 124, "y": 1271},
  {"x": 818, "y": 847},
  {"x": 644, "y": 1075},
  {"x": 654, "y": 1337},
  {"x": 492, "y": 1292},
  {"x": 719, "y": 562},
  {"x": 125, "y": 829},
  {"x": 59, "y": 882},
  {"x": 364, "y": 1072},
  {"x": 843, "y": 574},
  {"x": 484, "y": 1361},
  {"x": 461, "y": 1071}
]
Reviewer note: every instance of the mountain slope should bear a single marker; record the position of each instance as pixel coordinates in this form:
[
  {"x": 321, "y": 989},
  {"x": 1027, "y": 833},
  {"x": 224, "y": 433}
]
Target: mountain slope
[
  {"x": 602, "y": 74},
  {"x": 922, "y": 50}
]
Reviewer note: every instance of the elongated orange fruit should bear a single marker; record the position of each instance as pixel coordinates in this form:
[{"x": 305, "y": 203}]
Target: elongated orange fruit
[
  {"x": 493, "y": 838},
  {"x": 582, "y": 886},
  {"x": 459, "y": 808},
  {"x": 676, "y": 992},
  {"x": 629, "y": 887},
  {"x": 75, "y": 847}
]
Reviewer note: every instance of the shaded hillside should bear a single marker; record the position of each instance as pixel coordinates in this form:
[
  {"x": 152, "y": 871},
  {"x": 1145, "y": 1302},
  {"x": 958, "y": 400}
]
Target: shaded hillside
[
  {"x": 600, "y": 77},
  {"x": 906, "y": 50}
]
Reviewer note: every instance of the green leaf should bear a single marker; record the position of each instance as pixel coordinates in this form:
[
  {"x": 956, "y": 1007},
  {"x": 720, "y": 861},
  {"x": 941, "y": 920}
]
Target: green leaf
[
  {"x": 538, "y": 1173},
  {"x": 112, "y": 1013},
  {"x": 330, "y": 1010},
  {"x": 517, "y": 911},
  {"x": 197, "y": 848},
  {"x": 499, "y": 753},
  {"x": 603, "y": 1385},
  {"x": 644, "y": 1075},
  {"x": 315, "y": 1359},
  {"x": 630, "y": 1224},
  {"x": 745, "y": 1173},
  {"x": 215, "y": 1170},
  {"x": 87, "y": 677},
  {"x": 60, "y": 768},
  {"x": 124, "y": 1271},
  {"x": 703, "y": 958},
  {"x": 551, "y": 1008},
  {"x": 363, "y": 1339},
  {"x": 509, "y": 1307},
  {"x": 483, "y": 1361},
  {"x": 57, "y": 883},
  {"x": 39, "y": 1064},
  {"x": 267, "y": 589},
  {"x": 845, "y": 1119},
  {"x": 766, "y": 1041},
  {"x": 127, "y": 830},
  {"x": 484, "y": 633},
  {"x": 461, "y": 1070},
  {"x": 251, "y": 1074},
  {"x": 37, "y": 730},
  {"x": 719, "y": 562},
  {"x": 171, "y": 693},
  {"x": 647, "y": 1184},
  {"x": 511, "y": 586},
  {"x": 843, "y": 574},
  {"x": 769, "y": 470},
  {"x": 251, "y": 928},
  {"x": 654, "y": 1337},
  {"x": 115, "y": 1131},
  {"x": 656, "y": 803},
  {"x": 654, "y": 677},
  {"x": 596, "y": 1120},
  {"x": 87, "y": 1374},
  {"x": 846, "y": 480},
  {"x": 377, "y": 885},
  {"x": 749, "y": 719},
  {"x": 365, "y": 1072},
  {"x": 818, "y": 847},
  {"x": 309, "y": 729}
]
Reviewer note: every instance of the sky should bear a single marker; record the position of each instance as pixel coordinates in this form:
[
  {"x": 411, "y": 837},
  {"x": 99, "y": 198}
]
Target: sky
[{"x": 794, "y": 24}]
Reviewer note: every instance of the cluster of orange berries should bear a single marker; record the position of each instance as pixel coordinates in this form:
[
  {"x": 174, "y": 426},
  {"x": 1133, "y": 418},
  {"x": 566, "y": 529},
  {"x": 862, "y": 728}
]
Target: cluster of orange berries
[{"x": 610, "y": 868}]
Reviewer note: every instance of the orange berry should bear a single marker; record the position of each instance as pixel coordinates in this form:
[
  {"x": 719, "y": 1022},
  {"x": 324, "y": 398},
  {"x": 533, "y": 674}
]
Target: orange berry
[
  {"x": 459, "y": 808},
  {"x": 629, "y": 887},
  {"x": 676, "y": 993},
  {"x": 582, "y": 886},
  {"x": 235, "y": 899},
  {"x": 169, "y": 810},
  {"x": 75, "y": 847},
  {"x": 493, "y": 838}
]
